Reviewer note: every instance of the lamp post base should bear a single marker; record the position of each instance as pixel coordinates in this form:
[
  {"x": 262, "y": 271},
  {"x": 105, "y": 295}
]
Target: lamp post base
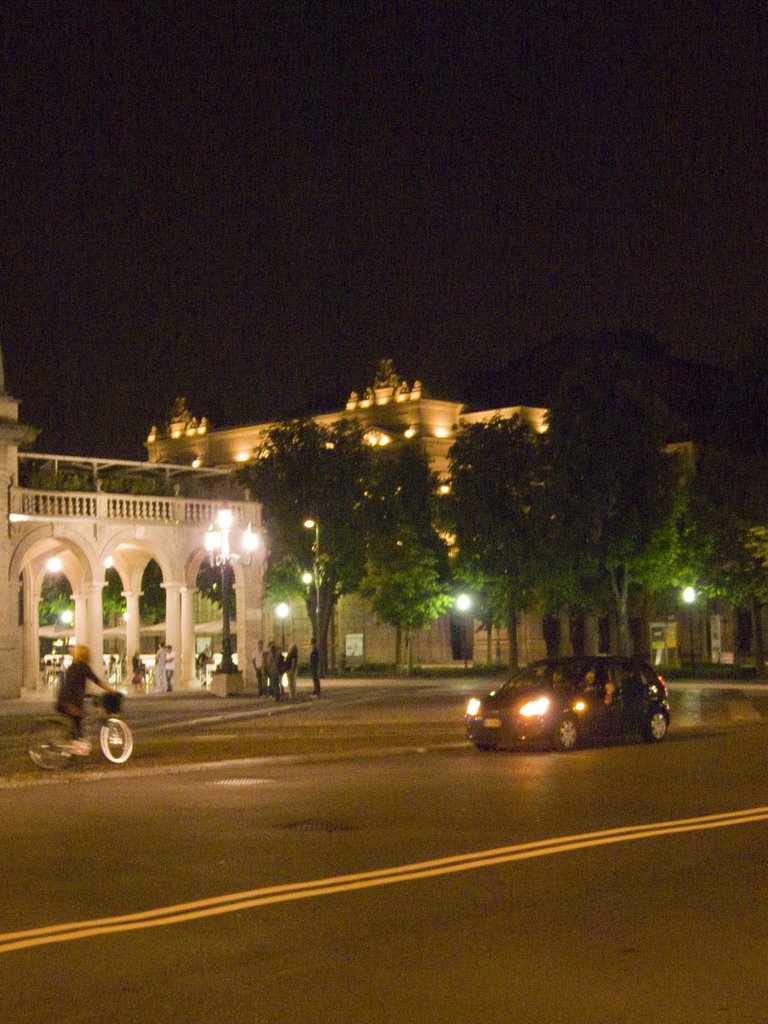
[{"x": 227, "y": 684}]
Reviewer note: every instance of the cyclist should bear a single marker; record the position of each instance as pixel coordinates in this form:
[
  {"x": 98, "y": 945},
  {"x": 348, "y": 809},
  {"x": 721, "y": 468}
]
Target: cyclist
[{"x": 72, "y": 691}]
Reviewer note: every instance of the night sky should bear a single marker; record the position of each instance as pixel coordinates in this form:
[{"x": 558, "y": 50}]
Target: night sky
[{"x": 249, "y": 204}]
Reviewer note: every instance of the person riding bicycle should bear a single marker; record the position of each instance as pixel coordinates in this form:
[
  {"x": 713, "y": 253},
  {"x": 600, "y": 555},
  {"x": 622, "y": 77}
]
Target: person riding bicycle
[{"x": 69, "y": 701}]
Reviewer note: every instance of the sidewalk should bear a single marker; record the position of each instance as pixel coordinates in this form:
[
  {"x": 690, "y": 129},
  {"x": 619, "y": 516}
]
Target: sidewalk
[{"x": 37, "y": 701}]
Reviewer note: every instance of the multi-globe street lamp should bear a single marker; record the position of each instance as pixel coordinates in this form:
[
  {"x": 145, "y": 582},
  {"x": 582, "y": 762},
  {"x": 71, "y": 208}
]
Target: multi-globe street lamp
[{"x": 221, "y": 555}]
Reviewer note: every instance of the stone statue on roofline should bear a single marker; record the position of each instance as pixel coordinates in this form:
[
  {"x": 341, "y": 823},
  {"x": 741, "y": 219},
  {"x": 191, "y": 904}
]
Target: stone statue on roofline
[
  {"x": 180, "y": 413},
  {"x": 385, "y": 375}
]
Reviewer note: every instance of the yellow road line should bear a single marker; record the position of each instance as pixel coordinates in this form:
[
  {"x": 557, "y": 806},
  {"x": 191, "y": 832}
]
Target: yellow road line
[{"x": 249, "y": 899}]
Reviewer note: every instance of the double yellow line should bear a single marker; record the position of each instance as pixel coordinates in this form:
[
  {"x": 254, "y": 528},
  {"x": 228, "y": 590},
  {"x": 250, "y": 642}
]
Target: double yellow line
[{"x": 232, "y": 902}]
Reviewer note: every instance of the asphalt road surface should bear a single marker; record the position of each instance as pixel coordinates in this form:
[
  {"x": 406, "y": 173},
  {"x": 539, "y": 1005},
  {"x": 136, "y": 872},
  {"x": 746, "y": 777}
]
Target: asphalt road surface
[{"x": 432, "y": 884}]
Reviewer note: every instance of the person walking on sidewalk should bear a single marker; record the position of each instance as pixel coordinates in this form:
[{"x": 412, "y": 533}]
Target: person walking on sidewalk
[
  {"x": 314, "y": 668},
  {"x": 170, "y": 667},
  {"x": 160, "y": 680},
  {"x": 291, "y": 668}
]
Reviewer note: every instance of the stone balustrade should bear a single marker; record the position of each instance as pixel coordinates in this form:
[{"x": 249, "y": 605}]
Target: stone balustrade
[{"x": 27, "y": 504}]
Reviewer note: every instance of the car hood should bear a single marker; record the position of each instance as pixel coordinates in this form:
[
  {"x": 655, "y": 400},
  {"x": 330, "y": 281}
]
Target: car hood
[{"x": 497, "y": 698}]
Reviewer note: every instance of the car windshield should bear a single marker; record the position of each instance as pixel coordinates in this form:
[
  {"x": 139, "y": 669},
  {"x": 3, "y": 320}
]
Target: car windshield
[{"x": 545, "y": 675}]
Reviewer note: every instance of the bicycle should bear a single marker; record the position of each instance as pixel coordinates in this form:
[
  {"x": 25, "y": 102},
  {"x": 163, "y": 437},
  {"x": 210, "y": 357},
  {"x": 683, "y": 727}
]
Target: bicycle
[{"x": 53, "y": 746}]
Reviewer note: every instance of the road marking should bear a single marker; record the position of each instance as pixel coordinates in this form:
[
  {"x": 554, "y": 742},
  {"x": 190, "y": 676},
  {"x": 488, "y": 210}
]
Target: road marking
[
  {"x": 248, "y": 900},
  {"x": 239, "y": 782}
]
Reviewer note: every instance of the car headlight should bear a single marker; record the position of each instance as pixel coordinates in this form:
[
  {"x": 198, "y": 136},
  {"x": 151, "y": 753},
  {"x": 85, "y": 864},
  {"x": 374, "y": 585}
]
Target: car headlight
[
  {"x": 473, "y": 707},
  {"x": 535, "y": 708}
]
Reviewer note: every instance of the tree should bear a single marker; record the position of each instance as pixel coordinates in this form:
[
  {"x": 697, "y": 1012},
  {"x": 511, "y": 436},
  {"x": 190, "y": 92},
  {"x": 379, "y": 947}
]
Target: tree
[
  {"x": 305, "y": 470},
  {"x": 488, "y": 600},
  {"x": 406, "y": 568},
  {"x": 404, "y": 587},
  {"x": 496, "y": 474},
  {"x": 725, "y": 539},
  {"x": 611, "y": 486}
]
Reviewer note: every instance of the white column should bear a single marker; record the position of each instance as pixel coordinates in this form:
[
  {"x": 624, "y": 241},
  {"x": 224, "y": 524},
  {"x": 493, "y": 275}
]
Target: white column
[
  {"x": 187, "y": 678},
  {"x": 173, "y": 617},
  {"x": 249, "y": 598},
  {"x": 132, "y": 634},
  {"x": 31, "y": 646},
  {"x": 96, "y": 627},
  {"x": 81, "y": 620}
]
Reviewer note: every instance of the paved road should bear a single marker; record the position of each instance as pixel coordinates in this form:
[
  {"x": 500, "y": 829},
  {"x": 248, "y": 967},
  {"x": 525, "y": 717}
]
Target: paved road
[
  {"x": 353, "y": 716},
  {"x": 611, "y": 884}
]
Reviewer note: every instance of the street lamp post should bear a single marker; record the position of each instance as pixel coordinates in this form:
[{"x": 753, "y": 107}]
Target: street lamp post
[
  {"x": 689, "y": 596},
  {"x": 281, "y": 611},
  {"x": 220, "y": 554},
  {"x": 312, "y": 524},
  {"x": 463, "y": 605}
]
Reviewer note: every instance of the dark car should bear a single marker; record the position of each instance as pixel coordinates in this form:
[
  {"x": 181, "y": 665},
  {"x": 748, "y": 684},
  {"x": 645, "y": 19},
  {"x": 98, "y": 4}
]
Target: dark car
[{"x": 564, "y": 701}]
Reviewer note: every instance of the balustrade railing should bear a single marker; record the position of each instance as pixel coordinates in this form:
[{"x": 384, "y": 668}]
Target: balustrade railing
[{"x": 26, "y": 504}]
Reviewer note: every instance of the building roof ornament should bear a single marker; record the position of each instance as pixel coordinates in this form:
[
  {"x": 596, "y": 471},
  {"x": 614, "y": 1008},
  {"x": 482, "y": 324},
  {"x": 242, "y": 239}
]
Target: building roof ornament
[{"x": 388, "y": 386}]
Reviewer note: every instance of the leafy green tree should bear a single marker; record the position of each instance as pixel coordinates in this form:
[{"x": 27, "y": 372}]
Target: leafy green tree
[
  {"x": 496, "y": 473},
  {"x": 487, "y": 595},
  {"x": 152, "y": 602},
  {"x": 725, "y": 537},
  {"x": 611, "y": 485},
  {"x": 304, "y": 470},
  {"x": 406, "y": 567},
  {"x": 403, "y": 583},
  {"x": 112, "y": 600},
  {"x": 55, "y": 598}
]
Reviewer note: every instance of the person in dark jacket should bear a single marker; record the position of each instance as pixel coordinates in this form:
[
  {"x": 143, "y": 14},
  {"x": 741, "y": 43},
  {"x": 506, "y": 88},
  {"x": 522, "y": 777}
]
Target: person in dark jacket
[
  {"x": 314, "y": 668},
  {"x": 69, "y": 701}
]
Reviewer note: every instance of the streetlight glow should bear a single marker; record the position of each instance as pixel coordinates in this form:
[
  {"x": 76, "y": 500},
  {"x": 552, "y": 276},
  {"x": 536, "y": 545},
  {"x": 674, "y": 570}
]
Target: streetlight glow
[
  {"x": 689, "y": 595},
  {"x": 219, "y": 554}
]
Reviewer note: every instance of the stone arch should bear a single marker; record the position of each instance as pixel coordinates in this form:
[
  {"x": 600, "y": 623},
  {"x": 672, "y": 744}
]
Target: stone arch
[
  {"x": 85, "y": 574},
  {"x": 85, "y": 531}
]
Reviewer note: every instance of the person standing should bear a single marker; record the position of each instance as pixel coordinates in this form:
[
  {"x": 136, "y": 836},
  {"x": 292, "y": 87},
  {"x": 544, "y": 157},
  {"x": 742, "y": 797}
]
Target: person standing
[
  {"x": 291, "y": 669},
  {"x": 314, "y": 668},
  {"x": 265, "y": 669},
  {"x": 257, "y": 659},
  {"x": 160, "y": 681},
  {"x": 274, "y": 657},
  {"x": 170, "y": 666}
]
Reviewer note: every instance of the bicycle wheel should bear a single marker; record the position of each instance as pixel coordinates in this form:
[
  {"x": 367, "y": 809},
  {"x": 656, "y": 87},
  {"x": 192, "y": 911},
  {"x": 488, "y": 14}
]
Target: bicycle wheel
[
  {"x": 49, "y": 745},
  {"x": 116, "y": 740}
]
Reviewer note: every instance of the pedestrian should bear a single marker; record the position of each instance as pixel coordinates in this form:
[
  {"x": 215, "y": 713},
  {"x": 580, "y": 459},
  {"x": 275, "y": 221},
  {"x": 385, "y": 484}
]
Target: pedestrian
[
  {"x": 170, "y": 666},
  {"x": 160, "y": 681},
  {"x": 137, "y": 680},
  {"x": 274, "y": 659},
  {"x": 202, "y": 666},
  {"x": 257, "y": 659},
  {"x": 314, "y": 668},
  {"x": 291, "y": 668},
  {"x": 265, "y": 669}
]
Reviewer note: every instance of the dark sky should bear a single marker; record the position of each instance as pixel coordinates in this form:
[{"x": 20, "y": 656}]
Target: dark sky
[{"x": 250, "y": 203}]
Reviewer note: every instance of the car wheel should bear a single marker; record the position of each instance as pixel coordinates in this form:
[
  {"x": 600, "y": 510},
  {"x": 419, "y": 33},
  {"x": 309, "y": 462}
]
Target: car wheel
[
  {"x": 566, "y": 734},
  {"x": 655, "y": 727}
]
